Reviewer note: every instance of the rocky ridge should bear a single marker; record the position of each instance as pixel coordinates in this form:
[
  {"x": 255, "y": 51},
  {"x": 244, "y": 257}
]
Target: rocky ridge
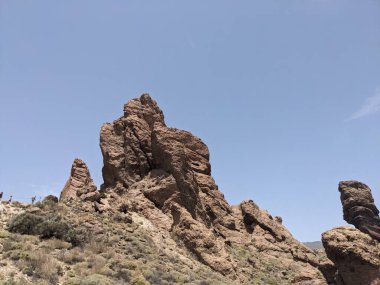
[
  {"x": 159, "y": 208},
  {"x": 164, "y": 175}
]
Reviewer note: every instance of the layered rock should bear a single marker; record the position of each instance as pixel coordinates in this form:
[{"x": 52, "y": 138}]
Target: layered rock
[
  {"x": 359, "y": 208},
  {"x": 164, "y": 174},
  {"x": 80, "y": 185},
  {"x": 355, "y": 252}
]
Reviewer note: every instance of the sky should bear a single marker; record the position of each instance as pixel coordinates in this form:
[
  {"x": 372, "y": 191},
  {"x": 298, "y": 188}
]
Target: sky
[{"x": 286, "y": 94}]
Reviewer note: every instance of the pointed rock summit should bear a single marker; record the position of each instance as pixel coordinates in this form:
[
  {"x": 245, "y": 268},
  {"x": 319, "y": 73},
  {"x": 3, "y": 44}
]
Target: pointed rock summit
[
  {"x": 126, "y": 143},
  {"x": 79, "y": 186}
]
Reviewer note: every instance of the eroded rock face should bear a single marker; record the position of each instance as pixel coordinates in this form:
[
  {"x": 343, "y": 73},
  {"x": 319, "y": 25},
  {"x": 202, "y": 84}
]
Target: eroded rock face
[
  {"x": 126, "y": 143},
  {"x": 355, "y": 254},
  {"x": 164, "y": 174},
  {"x": 79, "y": 186},
  {"x": 359, "y": 208}
]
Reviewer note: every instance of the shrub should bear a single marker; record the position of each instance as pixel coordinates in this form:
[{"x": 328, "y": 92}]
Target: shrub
[
  {"x": 73, "y": 281},
  {"x": 48, "y": 226},
  {"x": 123, "y": 274},
  {"x": 139, "y": 280},
  {"x": 96, "y": 279},
  {"x": 39, "y": 265},
  {"x": 13, "y": 282},
  {"x": 154, "y": 277},
  {"x": 4, "y": 234},
  {"x": 53, "y": 226},
  {"x": 72, "y": 256},
  {"x": 25, "y": 223}
]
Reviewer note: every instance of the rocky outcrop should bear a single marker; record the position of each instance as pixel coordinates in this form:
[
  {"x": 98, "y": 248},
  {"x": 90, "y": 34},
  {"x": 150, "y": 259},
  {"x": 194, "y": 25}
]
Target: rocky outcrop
[
  {"x": 126, "y": 143},
  {"x": 79, "y": 186},
  {"x": 164, "y": 174},
  {"x": 355, "y": 254},
  {"x": 359, "y": 208}
]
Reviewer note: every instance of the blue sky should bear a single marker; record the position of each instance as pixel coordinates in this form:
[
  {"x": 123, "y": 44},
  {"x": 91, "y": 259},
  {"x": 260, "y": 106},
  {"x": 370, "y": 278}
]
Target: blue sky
[{"x": 285, "y": 93}]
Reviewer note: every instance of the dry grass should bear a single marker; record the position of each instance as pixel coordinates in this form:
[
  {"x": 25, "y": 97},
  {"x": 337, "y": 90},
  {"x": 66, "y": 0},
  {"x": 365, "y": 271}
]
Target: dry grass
[{"x": 117, "y": 253}]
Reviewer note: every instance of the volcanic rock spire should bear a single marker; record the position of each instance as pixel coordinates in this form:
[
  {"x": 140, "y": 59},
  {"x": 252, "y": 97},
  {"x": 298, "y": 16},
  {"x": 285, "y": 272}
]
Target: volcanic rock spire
[
  {"x": 80, "y": 184},
  {"x": 359, "y": 207},
  {"x": 164, "y": 174},
  {"x": 355, "y": 252}
]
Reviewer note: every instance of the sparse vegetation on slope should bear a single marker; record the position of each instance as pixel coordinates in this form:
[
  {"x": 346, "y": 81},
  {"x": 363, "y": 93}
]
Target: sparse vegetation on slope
[{"x": 111, "y": 252}]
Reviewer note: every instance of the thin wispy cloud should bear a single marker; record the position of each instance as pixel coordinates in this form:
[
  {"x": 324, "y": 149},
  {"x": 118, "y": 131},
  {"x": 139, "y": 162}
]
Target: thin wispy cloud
[{"x": 370, "y": 106}]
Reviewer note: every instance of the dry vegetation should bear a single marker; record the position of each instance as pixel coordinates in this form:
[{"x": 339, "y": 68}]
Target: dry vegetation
[
  {"x": 99, "y": 249},
  {"x": 51, "y": 243}
]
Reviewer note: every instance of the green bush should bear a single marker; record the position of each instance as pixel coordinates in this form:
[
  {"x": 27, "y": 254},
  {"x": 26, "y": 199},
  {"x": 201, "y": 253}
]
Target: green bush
[
  {"x": 25, "y": 223},
  {"x": 53, "y": 226},
  {"x": 48, "y": 226}
]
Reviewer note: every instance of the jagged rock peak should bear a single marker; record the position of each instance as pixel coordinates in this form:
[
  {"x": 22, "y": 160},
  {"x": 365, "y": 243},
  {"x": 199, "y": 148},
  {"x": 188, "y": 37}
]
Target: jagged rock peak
[
  {"x": 164, "y": 174},
  {"x": 80, "y": 184},
  {"x": 359, "y": 207},
  {"x": 144, "y": 108},
  {"x": 126, "y": 143}
]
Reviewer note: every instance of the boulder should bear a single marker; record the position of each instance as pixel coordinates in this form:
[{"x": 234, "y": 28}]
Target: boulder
[{"x": 356, "y": 256}]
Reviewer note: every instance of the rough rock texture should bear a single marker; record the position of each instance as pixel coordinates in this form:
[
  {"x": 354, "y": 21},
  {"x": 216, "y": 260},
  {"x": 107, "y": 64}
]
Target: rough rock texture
[
  {"x": 355, "y": 254},
  {"x": 359, "y": 208},
  {"x": 80, "y": 185},
  {"x": 164, "y": 174},
  {"x": 126, "y": 143}
]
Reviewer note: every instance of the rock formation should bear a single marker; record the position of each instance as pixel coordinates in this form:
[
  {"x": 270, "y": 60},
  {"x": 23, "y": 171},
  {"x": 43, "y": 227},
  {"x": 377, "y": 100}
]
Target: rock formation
[
  {"x": 359, "y": 208},
  {"x": 79, "y": 186},
  {"x": 163, "y": 175},
  {"x": 355, "y": 252}
]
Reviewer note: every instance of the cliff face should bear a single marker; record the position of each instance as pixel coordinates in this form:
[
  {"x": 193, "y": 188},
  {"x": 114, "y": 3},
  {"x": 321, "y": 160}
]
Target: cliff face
[
  {"x": 356, "y": 252},
  {"x": 164, "y": 175}
]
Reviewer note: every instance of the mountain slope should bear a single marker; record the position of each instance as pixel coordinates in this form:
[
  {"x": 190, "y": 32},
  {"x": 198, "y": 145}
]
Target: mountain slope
[{"x": 160, "y": 208}]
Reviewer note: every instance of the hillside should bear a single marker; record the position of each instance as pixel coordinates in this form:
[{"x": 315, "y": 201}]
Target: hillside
[{"x": 158, "y": 218}]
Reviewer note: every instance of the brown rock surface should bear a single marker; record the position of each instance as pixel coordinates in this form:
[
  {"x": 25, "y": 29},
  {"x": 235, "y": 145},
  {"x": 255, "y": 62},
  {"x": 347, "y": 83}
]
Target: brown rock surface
[
  {"x": 359, "y": 207},
  {"x": 164, "y": 174},
  {"x": 126, "y": 143},
  {"x": 79, "y": 186},
  {"x": 355, "y": 254}
]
